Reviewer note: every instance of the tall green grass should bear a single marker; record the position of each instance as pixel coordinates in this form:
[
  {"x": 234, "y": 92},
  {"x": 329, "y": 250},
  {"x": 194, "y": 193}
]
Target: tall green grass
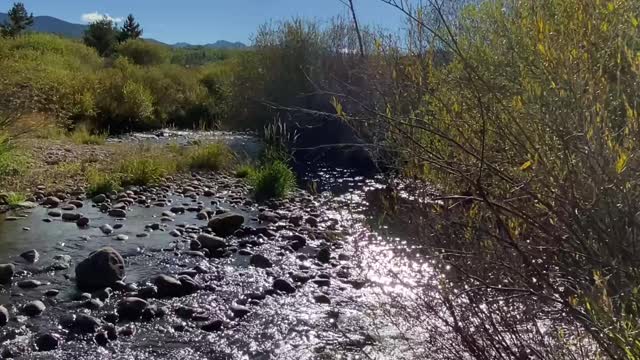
[
  {"x": 212, "y": 157},
  {"x": 274, "y": 180}
]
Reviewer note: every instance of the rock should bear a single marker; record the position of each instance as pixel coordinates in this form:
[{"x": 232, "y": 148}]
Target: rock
[
  {"x": 168, "y": 286},
  {"x": 185, "y": 312},
  {"x": 30, "y": 255},
  {"x": 71, "y": 216},
  {"x": 260, "y": 261},
  {"x": 33, "y": 308},
  {"x": 106, "y": 229},
  {"x": 54, "y": 213},
  {"x": 148, "y": 292},
  {"x": 131, "y": 308},
  {"x": 77, "y": 203},
  {"x": 82, "y": 222},
  {"x": 324, "y": 255},
  {"x": 211, "y": 243},
  {"x": 322, "y": 299},
  {"x": 239, "y": 311},
  {"x": 297, "y": 242},
  {"x": 48, "y": 342},
  {"x": 60, "y": 262},
  {"x": 122, "y": 237},
  {"x": 226, "y": 224},
  {"x": 119, "y": 213},
  {"x": 195, "y": 245},
  {"x": 283, "y": 285},
  {"x": 86, "y": 324},
  {"x": 99, "y": 199},
  {"x": 4, "y": 316},
  {"x": 29, "y": 284},
  {"x": 203, "y": 215},
  {"x": 93, "y": 304},
  {"x": 51, "y": 293},
  {"x": 215, "y": 325},
  {"x": 189, "y": 285},
  {"x": 51, "y": 201},
  {"x": 6, "y": 273},
  {"x": 101, "y": 269},
  {"x": 101, "y": 339}
]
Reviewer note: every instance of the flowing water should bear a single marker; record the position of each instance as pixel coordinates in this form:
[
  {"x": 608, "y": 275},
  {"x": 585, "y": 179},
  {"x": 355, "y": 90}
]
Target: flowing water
[{"x": 373, "y": 266}]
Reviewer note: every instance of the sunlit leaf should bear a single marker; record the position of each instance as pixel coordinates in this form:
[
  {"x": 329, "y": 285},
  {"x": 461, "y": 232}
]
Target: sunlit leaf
[
  {"x": 526, "y": 165},
  {"x": 621, "y": 164}
]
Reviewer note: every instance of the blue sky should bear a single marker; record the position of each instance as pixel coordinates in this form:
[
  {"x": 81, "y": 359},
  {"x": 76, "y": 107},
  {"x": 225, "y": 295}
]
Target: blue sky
[{"x": 203, "y": 21}]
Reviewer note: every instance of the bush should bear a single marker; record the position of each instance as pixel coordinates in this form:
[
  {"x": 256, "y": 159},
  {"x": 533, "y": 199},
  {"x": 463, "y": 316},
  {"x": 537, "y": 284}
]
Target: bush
[
  {"x": 144, "y": 53},
  {"x": 245, "y": 171},
  {"x": 213, "y": 157},
  {"x": 144, "y": 171},
  {"x": 14, "y": 199},
  {"x": 82, "y": 136},
  {"x": 100, "y": 182},
  {"x": 273, "y": 181}
]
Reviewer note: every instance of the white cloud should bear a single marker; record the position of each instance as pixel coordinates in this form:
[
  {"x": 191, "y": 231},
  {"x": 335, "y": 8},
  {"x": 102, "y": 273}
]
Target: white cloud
[{"x": 95, "y": 16}]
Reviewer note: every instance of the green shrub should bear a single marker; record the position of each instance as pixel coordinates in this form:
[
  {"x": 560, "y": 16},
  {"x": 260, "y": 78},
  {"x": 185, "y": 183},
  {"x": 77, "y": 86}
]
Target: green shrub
[
  {"x": 14, "y": 199},
  {"x": 245, "y": 171},
  {"x": 82, "y": 136},
  {"x": 145, "y": 171},
  {"x": 213, "y": 157},
  {"x": 12, "y": 160},
  {"x": 100, "y": 182},
  {"x": 273, "y": 181},
  {"x": 144, "y": 53}
]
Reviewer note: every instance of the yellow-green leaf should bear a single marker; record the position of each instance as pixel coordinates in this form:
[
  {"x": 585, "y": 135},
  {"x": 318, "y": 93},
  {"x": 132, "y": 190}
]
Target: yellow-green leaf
[
  {"x": 526, "y": 165},
  {"x": 621, "y": 164}
]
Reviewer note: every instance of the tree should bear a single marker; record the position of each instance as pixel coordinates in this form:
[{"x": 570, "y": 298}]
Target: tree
[
  {"x": 19, "y": 20},
  {"x": 143, "y": 53},
  {"x": 102, "y": 35},
  {"x": 130, "y": 29}
]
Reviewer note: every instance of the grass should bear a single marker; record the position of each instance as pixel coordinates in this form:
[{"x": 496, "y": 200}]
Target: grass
[
  {"x": 212, "y": 157},
  {"x": 245, "y": 171},
  {"x": 82, "y": 136},
  {"x": 14, "y": 199},
  {"x": 12, "y": 160},
  {"x": 273, "y": 181},
  {"x": 144, "y": 171},
  {"x": 100, "y": 182}
]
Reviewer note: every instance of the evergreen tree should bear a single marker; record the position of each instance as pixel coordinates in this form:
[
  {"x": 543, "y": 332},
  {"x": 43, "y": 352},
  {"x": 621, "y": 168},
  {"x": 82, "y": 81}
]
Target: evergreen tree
[
  {"x": 130, "y": 29},
  {"x": 102, "y": 35},
  {"x": 19, "y": 20}
]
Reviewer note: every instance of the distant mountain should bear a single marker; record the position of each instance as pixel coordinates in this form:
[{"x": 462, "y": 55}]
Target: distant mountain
[{"x": 48, "y": 24}]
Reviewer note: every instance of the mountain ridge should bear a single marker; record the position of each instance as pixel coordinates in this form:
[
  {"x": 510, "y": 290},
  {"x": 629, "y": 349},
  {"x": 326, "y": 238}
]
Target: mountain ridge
[{"x": 52, "y": 25}]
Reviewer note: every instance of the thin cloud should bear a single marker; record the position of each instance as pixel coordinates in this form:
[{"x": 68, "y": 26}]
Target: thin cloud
[{"x": 96, "y": 16}]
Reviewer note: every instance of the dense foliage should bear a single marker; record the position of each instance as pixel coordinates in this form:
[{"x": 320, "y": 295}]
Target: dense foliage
[{"x": 19, "y": 21}]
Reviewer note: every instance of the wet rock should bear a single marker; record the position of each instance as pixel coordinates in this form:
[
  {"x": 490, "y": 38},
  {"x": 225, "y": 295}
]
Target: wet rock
[
  {"x": 48, "y": 342},
  {"x": 324, "y": 255},
  {"x": 344, "y": 257},
  {"x": 148, "y": 292},
  {"x": 86, "y": 324},
  {"x": 260, "y": 261},
  {"x": 185, "y": 312},
  {"x": 203, "y": 215},
  {"x": 29, "y": 284},
  {"x": 321, "y": 282},
  {"x": 77, "y": 203},
  {"x": 119, "y": 213},
  {"x": 176, "y": 210},
  {"x": 60, "y": 262},
  {"x": 67, "y": 207},
  {"x": 268, "y": 216},
  {"x": 71, "y": 216},
  {"x": 51, "y": 293},
  {"x": 102, "y": 294},
  {"x": 51, "y": 201},
  {"x": 4, "y": 316},
  {"x": 6, "y": 273},
  {"x": 211, "y": 243},
  {"x": 118, "y": 226},
  {"x": 189, "y": 285},
  {"x": 239, "y": 311},
  {"x": 131, "y": 308},
  {"x": 175, "y": 233},
  {"x": 30, "y": 255},
  {"x": 297, "y": 242},
  {"x": 283, "y": 285},
  {"x": 101, "y": 339},
  {"x": 82, "y": 222},
  {"x": 101, "y": 269},
  {"x": 122, "y": 237},
  {"x": 168, "y": 286},
  {"x": 195, "y": 245},
  {"x": 54, "y": 213},
  {"x": 213, "y": 326},
  {"x": 106, "y": 229},
  {"x": 142, "y": 235},
  {"x": 33, "y": 308},
  {"x": 93, "y": 304},
  {"x": 99, "y": 199},
  {"x": 226, "y": 224}
]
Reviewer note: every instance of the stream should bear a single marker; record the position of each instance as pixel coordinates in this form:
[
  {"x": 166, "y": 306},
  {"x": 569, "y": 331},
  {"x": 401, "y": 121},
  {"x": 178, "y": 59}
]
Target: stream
[{"x": 339, "y": 308}]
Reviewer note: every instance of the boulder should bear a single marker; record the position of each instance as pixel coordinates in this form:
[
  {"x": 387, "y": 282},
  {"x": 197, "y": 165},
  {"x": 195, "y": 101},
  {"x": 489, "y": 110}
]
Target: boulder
[
  {"x": 168, "y": 286},
  {"x": 4, "y": 316},
  {"x": 260, "y": 261},
  {"x": 30, "y": 255},
  {"x": 119, "y": 213},
  {"x": 226, "y": 224},
  {"x": 283, "y": 285},
  {"x": 48, "y": 342},
  {"x": 71, "y": 216},
  {"x": 101, "y": 269},
  {"x": 6, "y": 273},
  {"x": 33, "y": 308},
  {"x": 131, "y": 308},
  {"x": 211, "y": 243},
  {"x": 324, "y": 255}
]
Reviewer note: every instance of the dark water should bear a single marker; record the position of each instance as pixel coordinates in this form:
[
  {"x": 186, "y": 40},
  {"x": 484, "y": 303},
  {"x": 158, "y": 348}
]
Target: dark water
[{"x": 355, "y": 326}]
